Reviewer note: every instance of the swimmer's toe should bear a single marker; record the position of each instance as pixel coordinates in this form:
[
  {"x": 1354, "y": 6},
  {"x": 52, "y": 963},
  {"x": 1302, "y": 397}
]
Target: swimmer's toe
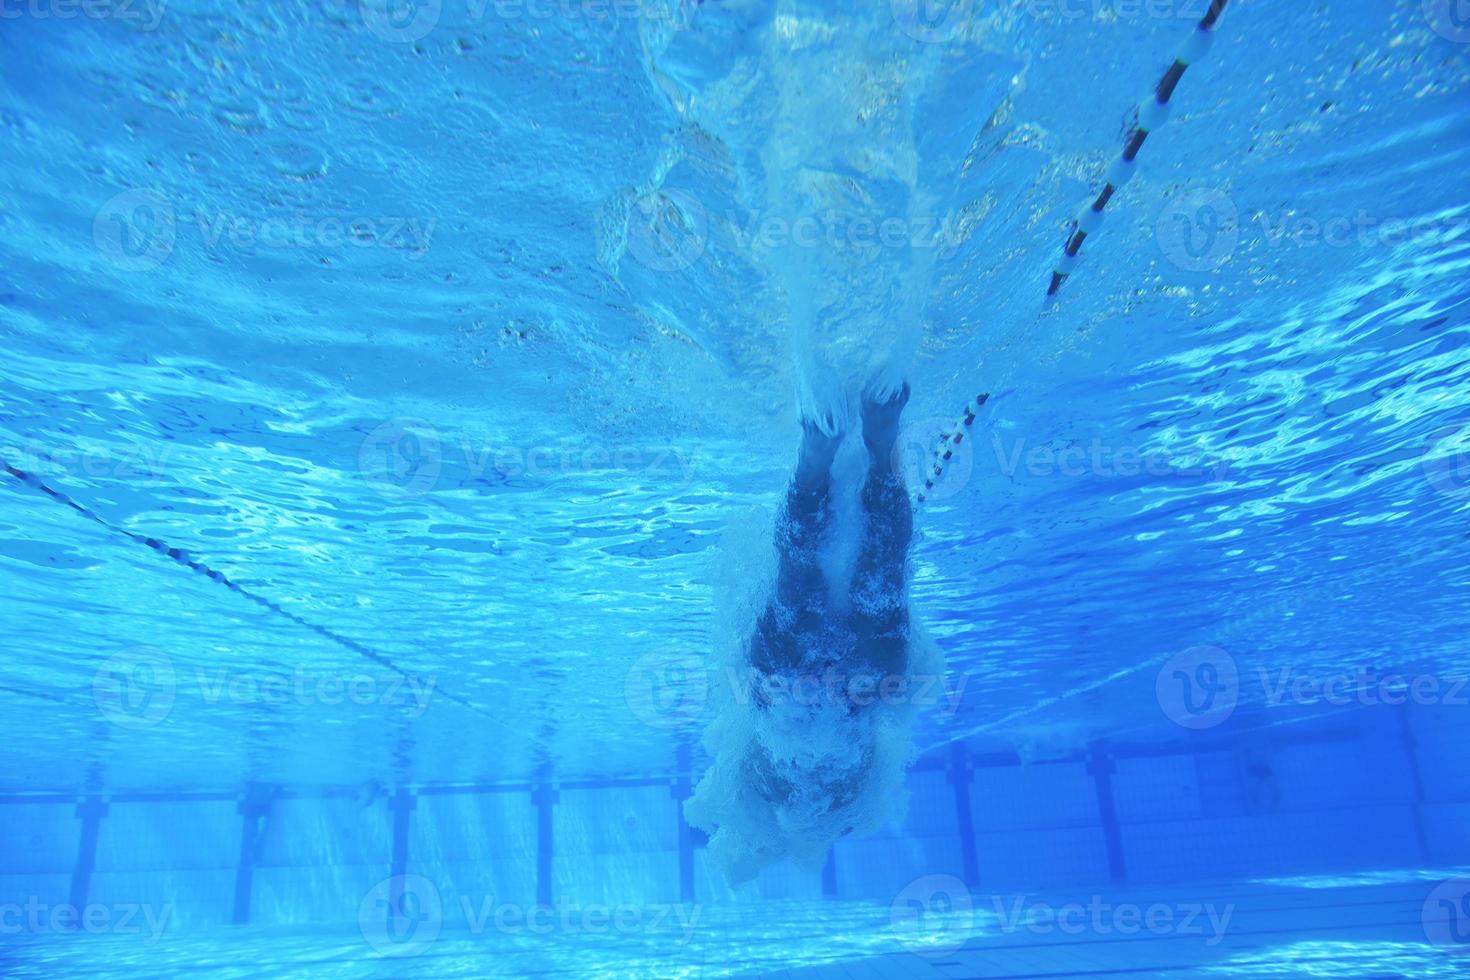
[
  {"x": 882, "y": 394},
  {"x": 886, "y": 383},
  {"x": 830, "y": 422},
  {"x": 823, "y": 402}
]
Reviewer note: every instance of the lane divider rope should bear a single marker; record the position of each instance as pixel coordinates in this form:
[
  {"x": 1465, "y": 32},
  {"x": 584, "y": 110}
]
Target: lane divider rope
[
  {"x": 183, "y": 558},
  {"x": 1153, "y": 113}
]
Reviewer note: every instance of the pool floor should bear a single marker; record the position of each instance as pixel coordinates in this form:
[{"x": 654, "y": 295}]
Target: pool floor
[{"x": 1373, "y": 925}]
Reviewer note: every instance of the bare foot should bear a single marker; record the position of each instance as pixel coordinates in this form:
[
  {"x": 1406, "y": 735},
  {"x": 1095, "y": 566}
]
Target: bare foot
[
  {"x": 881, "y": 413},
  {"x": 819, "y": 442}
]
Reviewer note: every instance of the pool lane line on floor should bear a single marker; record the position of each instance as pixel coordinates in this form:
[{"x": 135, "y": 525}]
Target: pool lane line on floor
[
  {"x": 1153, "y": 113},
  {"x": 183, "y": 558}
]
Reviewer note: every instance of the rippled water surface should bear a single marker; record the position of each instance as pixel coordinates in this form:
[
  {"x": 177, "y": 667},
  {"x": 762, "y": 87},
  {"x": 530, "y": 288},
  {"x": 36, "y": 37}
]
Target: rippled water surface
[{"x": 477, "y": 347}]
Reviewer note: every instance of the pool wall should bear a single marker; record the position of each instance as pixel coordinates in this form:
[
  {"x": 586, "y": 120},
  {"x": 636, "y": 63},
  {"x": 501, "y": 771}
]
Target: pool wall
[{"x": 1376, "y": 788}]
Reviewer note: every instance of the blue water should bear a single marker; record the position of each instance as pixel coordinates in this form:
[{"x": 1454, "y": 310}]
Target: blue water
[{"x": 459, "y": 346}]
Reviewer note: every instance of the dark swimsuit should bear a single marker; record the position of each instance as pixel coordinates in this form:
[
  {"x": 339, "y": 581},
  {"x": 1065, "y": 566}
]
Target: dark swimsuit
[{"x": 797, "y": 635}]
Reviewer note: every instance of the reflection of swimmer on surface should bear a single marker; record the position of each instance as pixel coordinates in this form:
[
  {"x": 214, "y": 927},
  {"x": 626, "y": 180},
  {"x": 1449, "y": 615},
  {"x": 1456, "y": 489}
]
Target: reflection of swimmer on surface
[{"x": 817, "y": 746}]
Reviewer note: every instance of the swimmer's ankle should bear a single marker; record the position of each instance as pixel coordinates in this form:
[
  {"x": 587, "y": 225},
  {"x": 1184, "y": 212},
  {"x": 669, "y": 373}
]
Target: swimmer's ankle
[
  {"x": 818, "y": 450},
  {"x": 882, "y": 411}
]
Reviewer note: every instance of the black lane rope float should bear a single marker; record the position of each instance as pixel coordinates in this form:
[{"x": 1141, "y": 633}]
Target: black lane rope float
[
  {"x": 1153, "y": 112},
  {"x": 183, "y": 558}
]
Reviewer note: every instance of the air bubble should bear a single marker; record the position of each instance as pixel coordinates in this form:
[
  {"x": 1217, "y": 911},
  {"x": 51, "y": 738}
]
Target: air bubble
[
  {"x": 367, "y": 95},
  {"x": 301, "y": 120},
  {"x": 298, "y": 161},
  {"x": 274, "y": 82},
  {"x": 241, "y": 116},
  {"x": 368, "y": 158}
]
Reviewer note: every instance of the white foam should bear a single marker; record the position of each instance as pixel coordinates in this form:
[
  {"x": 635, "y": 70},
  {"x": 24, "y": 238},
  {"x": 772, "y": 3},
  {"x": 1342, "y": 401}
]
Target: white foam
[{"x": 812, "y": 743}]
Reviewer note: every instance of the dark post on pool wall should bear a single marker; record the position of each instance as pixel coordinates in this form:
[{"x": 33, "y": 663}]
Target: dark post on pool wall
[
  {"x": 960, "y": 777},
  {"x": 1100, "y": 765},
  {"x": 254, "y": 810},
  {"x": 402, "y": 804},
  {"x": 544, "y": 796},
  {"x": 90, "y": 810},
  {"x": 683, "y": 786}
]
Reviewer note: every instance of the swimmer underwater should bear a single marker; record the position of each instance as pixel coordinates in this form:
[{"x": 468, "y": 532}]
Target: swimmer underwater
[{"x": 816, "y": 746}]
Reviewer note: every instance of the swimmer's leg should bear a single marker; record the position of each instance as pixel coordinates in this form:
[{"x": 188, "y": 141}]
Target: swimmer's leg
[
  {"x": 880, "y": 614},
  {"x": 798, "y": 610}
]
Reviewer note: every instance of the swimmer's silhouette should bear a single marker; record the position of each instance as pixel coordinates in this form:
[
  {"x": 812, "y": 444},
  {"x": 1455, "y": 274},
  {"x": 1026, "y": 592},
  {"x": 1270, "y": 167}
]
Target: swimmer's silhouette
[
  {"x": 799, "y": 619},
  {"x": 814, "y": 748}
]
